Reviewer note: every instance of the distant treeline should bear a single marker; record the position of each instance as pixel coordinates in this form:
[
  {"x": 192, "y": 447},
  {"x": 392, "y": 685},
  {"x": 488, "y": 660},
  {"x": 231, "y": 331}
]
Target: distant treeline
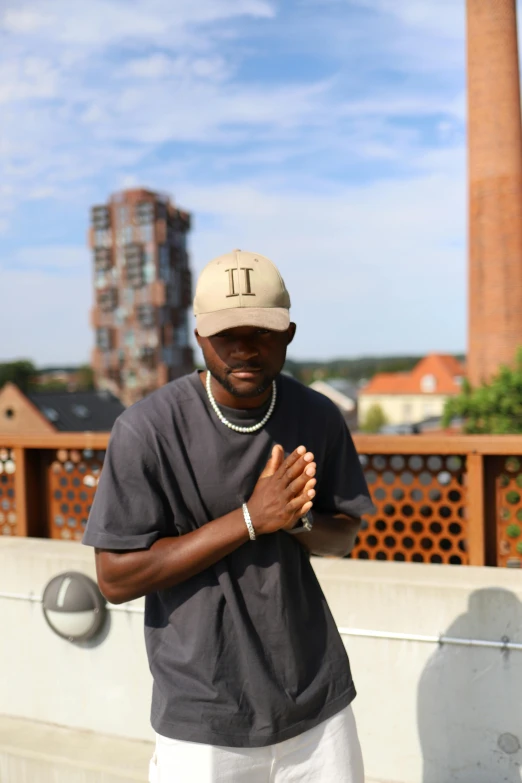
[
  {"x": 20, "y": 372},
  {"x": 25, "y": 375},
  {"x": 353, "y": 370}
]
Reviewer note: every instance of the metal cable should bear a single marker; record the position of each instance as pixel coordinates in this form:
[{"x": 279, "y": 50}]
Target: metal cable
[
  {"x": 503, "y": 644},
  {"x": 366, "y": 633}
]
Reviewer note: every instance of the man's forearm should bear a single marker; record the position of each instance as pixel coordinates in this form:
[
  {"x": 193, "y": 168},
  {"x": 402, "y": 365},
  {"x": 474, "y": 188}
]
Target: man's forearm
[
  {"x": 281, "y": 495},
  {"x": 332, "y": 535},
  {"x": 123, "y": 576}
]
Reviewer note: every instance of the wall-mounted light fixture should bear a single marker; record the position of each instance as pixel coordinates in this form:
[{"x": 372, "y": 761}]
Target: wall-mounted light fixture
[{"x": 74, "y": 607}]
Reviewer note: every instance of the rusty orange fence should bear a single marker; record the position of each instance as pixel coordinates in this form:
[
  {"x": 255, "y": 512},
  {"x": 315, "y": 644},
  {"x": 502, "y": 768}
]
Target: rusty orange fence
[{"x": 439, "y": 499}]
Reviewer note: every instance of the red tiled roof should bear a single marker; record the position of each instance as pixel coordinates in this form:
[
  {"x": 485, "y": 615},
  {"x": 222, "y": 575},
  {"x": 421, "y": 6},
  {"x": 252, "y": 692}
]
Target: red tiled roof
[{"x": 445, "y": 369}]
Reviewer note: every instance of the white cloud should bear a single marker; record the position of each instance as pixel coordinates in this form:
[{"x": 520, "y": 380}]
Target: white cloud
[
  {"x": 23, "y": 20},
  {"x": 29, "y": 78},
  {"x": 71, "y": 114},
  {"x": 393, "y": 106},
  {"x": 375, "y": 269},
  {"x": 177, "y": 82},
  {"x": 161, "y": 66},
  {"x": 102, "y": 23},
  {"x": 37, "y": 193},
  {"x": 336, "y": 148},
  {"x": 445, "y": 18},
  {"x": 198, "y": 112}
]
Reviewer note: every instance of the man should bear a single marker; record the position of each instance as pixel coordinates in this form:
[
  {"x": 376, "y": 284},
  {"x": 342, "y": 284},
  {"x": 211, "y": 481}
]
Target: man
[{"x": 204, "y": 506}]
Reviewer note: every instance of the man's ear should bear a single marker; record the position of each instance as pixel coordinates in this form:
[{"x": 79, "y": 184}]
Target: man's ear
[
  {"x": 198, "y": 338},
  {"x": 291, "y": 333}
]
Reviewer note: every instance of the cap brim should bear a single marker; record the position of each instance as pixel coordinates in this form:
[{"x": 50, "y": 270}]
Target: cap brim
[{"x": 275, "y": 318}]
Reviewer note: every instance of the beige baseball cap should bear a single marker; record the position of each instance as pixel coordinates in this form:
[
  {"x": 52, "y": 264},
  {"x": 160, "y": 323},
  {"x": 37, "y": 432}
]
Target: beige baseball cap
[{"x": 240, "y": 289}]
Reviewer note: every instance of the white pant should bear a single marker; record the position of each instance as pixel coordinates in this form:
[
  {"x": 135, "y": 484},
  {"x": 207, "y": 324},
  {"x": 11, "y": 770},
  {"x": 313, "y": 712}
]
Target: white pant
[{"x": 330, "y": 753}]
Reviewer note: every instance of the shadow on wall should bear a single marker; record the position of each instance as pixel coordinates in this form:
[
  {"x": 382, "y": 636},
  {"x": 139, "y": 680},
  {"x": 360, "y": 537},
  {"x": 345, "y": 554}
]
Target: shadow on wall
[{"x": 470, "y": 699}]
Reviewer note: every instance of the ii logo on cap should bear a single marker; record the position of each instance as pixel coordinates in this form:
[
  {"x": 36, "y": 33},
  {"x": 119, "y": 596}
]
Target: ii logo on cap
[{"x": 232, "y": 281}]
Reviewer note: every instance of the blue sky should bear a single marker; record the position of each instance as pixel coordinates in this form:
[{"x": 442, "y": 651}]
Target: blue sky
[{"x": 326, "y": 134}]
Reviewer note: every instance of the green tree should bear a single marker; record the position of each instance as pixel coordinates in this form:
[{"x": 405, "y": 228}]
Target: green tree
[
  {"x": 375, "y": 419},
  {"x": 52, "y": 386},
  {"x": 494, "y": 408},
  {"x": 85, "y": 377},
  {"x": 20, "y": 372}
]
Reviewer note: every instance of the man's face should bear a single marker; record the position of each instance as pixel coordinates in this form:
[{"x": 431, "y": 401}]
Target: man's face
[{"x": 245, "y": 360}]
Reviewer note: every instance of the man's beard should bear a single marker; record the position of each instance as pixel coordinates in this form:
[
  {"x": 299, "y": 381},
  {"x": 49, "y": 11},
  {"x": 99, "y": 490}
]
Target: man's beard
[{"x": 264, "y": 383}]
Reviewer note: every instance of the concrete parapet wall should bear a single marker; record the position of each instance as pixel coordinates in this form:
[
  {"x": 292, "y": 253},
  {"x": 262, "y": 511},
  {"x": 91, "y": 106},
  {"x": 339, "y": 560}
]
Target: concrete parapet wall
[
  {"x": 426, "y": 713},
  {"x": 42, "y": 753},
  {"x": 429, "y": 713},
  {"x": 102, "y": 686}
]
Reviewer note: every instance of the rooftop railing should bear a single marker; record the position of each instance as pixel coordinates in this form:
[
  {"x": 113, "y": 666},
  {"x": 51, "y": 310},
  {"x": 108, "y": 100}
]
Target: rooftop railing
[{"x": 439, "y": 499}]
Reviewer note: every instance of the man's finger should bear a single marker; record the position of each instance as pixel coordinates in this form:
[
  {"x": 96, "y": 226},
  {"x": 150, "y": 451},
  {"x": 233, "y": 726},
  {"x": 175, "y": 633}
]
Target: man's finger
[
  {"x": 304, "y": 509},
  {"x": 274, "y": 462},
  {"x": 292, "y": 458},
  {"x": 304, "y": 465},
  {"x": 298, "y": 485},
  {"x": 310, "y": 484},
  {"x": 297, "y": 504}
]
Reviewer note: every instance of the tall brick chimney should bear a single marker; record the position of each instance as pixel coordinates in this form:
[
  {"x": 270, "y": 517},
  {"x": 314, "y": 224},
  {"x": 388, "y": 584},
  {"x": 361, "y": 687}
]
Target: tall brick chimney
[{"x": 495, "y": 187}]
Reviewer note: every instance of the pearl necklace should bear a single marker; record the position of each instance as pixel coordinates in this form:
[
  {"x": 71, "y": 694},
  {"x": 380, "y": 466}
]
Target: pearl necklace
[{"x": 228, "y": 423}]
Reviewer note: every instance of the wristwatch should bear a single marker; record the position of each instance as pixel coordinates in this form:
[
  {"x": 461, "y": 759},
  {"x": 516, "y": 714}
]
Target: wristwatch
[{"x": 305, "y": 524}]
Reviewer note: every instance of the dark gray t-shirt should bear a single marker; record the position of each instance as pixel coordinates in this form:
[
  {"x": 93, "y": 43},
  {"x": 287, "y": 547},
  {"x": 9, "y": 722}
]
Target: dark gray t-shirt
[{"x": 246, "y": 653}]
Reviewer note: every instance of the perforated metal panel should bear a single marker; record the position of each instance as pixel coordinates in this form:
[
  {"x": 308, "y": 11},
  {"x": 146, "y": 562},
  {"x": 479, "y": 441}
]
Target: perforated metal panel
[
  {"x": 508, "y": 509},
  {"x": 421, "y": 509},
  {"x": 7, "y": 493},
  {"x": 72, "y": 479}
]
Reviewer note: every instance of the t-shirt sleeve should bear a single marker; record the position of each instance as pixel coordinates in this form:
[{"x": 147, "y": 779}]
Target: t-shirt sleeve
[
  {"x": 129, "y": 510},
  {"x": 342, "y": 488}
]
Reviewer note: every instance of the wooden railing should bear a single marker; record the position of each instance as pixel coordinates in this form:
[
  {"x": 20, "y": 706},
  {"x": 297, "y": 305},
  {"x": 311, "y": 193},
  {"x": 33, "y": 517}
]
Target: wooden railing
[
  {"x": 439, "y": 499},
  {"x": 50, "y": 484}
]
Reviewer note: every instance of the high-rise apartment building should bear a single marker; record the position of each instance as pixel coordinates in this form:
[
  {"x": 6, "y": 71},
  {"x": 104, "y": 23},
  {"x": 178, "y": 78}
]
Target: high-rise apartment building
[{"x": 143, "y": 289}]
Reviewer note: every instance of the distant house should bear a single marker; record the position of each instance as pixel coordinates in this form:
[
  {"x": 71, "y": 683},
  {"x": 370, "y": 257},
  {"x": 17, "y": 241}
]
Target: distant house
[
  {"x": 70, "y": 377},
  {"x": 430, "y": 426},
  {"x": 416, "y": 396},
  {"x": 48, "y": 412},
  {"x": 343, "y": 394}
]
